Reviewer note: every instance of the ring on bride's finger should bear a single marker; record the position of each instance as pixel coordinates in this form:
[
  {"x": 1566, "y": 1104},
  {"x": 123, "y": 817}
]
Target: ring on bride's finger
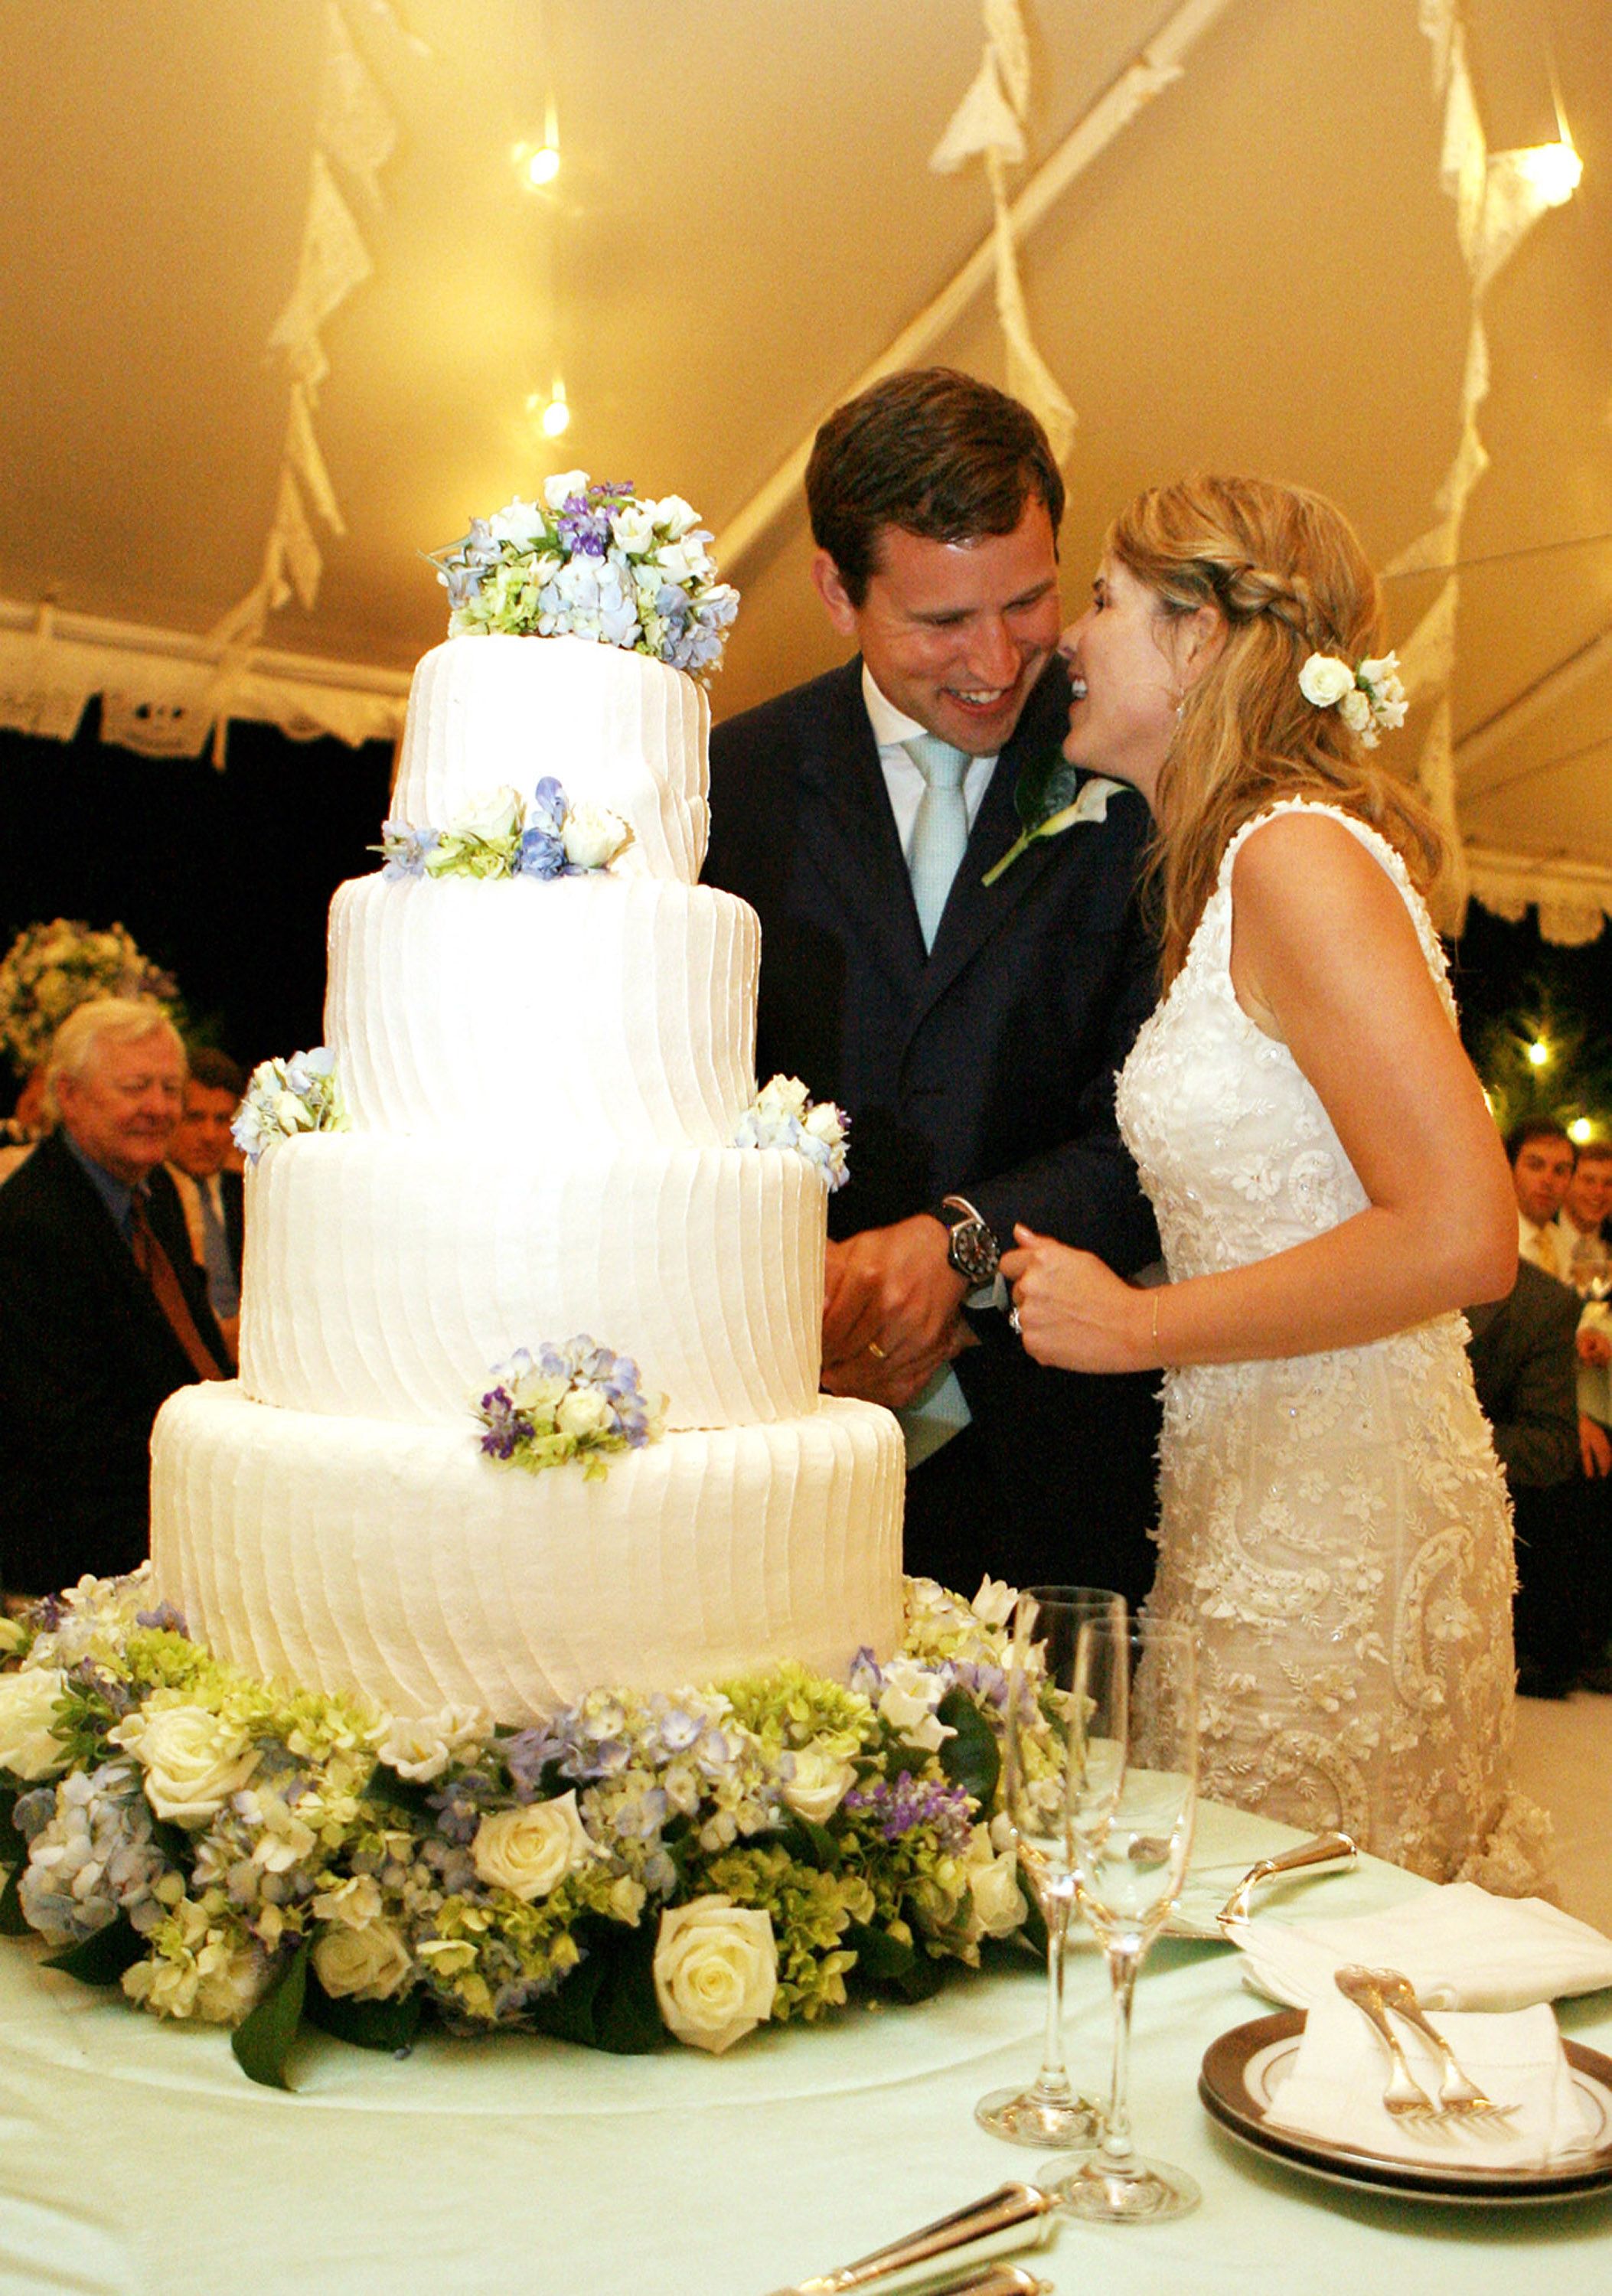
[
  {"x": 1012, "y": 1320},
  {"x": 875, "y": 1351}
]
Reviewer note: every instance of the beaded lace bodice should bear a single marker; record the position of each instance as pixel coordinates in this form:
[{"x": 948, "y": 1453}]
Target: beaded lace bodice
[{"x": 1334, "y": 1525}]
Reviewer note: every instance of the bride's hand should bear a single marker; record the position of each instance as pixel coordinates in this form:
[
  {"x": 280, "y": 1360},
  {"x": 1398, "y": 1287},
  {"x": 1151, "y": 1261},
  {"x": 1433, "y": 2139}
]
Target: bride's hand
[{"x": 1073, "y": 1311}]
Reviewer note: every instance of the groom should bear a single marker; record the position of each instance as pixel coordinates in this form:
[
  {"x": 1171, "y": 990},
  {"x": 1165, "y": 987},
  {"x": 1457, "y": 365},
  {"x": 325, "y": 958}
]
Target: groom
[{"x": 971, "y": 1031}]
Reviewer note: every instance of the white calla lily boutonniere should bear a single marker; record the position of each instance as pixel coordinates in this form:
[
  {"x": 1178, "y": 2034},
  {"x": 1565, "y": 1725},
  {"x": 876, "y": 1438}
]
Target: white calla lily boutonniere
[{"x": 1048, "y": 803}]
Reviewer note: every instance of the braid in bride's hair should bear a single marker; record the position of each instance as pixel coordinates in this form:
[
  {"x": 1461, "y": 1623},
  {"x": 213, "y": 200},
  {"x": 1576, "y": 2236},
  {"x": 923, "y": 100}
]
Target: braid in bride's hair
[{"x": 1284, "y": 568}]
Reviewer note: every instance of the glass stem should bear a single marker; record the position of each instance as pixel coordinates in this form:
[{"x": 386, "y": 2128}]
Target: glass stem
[
  {"x": 1052, "y": 2082},
  {"x": 1118, "y": 2155}
]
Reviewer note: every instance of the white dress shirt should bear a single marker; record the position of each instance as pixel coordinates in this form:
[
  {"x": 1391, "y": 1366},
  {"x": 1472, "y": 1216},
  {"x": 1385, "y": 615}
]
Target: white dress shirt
[{"x": 903, "y": 781}]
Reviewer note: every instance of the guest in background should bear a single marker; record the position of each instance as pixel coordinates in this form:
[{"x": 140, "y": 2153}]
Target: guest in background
[
  {"x": 1580, "y": 1225},
  {"x": 210, "y": 1195},
  {"x": 1541, "y": 1159},
  {"x": 1522, "y": 1356},
  {"x": 26, "y": 1125},
  {"x": 103, "y": 1311}
]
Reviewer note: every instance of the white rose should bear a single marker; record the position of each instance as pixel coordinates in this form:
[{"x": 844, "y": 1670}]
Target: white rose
[
  {"x": 998, "y": 1899},
  {"x": 823, "y": 1123},
  {"x": 520, "y": 522},
  {"x": 420, "y": 1747},
  {"x": 230, "y": 1979},
  {"x": 367, "y": 1964},
  {"x": 529, "y": 1850},
  {"x": 495, "y": 814},
  {"x": 785, "y": 1096},
  {"x": 557, "y": 490},
  {"x": 29, "y": 1748},
  {"x": 584, "y": 1411},
  {"x": 291, "y": 1114},
  {"x": 908, "y": 1702},
  {"x": 194, "y": 1760},
  {"x": 592, "y": 835},
  {"x": 1355, "y": 710},
  {"x": 716, "y": 1972},
  {"x": 1324, "y": 680},
  {"x": 819, "y": 1784}
]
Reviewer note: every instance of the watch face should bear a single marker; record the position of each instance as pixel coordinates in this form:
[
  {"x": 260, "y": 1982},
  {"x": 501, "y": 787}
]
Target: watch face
[{"x": 973, "y": 1250}]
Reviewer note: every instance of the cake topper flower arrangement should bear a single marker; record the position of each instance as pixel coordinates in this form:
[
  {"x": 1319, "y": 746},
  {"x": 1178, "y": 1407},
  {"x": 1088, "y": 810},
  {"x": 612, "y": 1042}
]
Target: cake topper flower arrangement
[
  {"x": 578, "y": 1401},
  {"x": 501, "y": 834},
  {"x": 592, "y": 560},
  {"x": 784, "y": 1115},
  {"x": 285, "y": 1097}
]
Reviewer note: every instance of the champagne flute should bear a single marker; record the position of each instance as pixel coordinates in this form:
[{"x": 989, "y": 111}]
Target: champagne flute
[
  {"x": 1046, "y": 1623},
  {"x": 1133, "y": 1736}
]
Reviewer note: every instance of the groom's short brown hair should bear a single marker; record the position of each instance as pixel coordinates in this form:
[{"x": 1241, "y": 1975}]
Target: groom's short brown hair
[{"x": 934, "y": 451}]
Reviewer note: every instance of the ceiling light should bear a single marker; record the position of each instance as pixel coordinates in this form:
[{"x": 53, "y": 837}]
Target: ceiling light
[
  {"x": 543, "y": 166},
  {"x": 1554, "y": 170},
  {"x": 1579, "y": 1130},
  {"x": 555, "y": 416},
  {"x": 1539, "y": 1051}
]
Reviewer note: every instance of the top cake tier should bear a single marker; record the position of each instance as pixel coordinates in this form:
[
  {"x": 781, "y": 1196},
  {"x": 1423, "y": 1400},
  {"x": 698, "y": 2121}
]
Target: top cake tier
[{"x": 614, "y": 729}]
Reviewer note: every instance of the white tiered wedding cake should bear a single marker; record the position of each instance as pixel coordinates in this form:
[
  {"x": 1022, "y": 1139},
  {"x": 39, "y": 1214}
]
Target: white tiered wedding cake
[{"x": 543, "y": 1077}]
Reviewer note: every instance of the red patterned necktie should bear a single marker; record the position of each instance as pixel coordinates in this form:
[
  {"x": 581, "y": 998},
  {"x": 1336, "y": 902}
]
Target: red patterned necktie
[{"x": 158, "y": 1270}]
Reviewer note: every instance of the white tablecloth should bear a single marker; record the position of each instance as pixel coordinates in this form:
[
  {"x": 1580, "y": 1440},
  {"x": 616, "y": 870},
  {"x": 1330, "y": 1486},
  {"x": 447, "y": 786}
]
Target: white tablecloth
[{"x": 135, "y": 2159}]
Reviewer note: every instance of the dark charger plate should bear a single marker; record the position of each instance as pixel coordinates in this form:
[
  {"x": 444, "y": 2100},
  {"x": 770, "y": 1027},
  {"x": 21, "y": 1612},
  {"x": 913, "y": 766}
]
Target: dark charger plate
[{"x": 1244, "y": 2069}]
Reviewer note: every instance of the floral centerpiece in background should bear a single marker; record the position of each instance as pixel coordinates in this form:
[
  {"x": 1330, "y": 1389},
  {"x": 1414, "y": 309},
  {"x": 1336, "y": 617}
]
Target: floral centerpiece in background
[
  {"x": 51, "y": 969},
  {"x": 642, "y": 1864},
  {"x": 593, "y": 560}
]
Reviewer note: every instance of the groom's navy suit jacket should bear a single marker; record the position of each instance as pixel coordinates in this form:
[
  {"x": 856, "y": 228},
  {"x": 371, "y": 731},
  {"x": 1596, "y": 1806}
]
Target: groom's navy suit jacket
[{"x": 983, "y": 1068}]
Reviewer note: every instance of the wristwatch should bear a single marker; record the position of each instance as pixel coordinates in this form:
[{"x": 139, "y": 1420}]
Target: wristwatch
[{"x": 973, "y": 1250}]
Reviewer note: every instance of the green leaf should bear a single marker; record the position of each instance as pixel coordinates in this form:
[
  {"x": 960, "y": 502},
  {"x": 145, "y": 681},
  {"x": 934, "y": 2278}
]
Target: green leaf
[
  {"x": 387, "y": 1790},
  {"x": 101, "y": 1959},
  {"x": 262, "y": 2042},
  {"x": 971, "y": 1758},
  {"x": 1045, "y": 787},
  {"x": 13, "y": 1922},
  {"x": 924, "y": 1979},
  {"x": 608, "y": 2002},
  {"x": 811, "y": 1844},
  {"x": 385, "y": 2025},
  {"x": 880, "y": 1958}
]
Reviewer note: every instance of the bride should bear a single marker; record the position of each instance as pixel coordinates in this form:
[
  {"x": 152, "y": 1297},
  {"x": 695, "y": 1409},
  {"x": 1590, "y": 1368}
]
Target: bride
[{"x": 1330, "y": 1189}]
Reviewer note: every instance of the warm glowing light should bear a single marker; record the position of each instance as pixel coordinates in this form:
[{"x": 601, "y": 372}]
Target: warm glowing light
[
  {"x": 1538, "y": 1053},
  {"x": 556, "y": 415},
  {"x": 1554, "y": 170},
  {"x": 1579, "y": 1130},
  {"x": 543, "y": 166}
]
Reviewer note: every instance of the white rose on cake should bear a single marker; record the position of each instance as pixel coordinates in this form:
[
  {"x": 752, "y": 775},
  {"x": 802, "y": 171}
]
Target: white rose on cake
[
  {"x": 420, "y": 1747},
  {"x": 584, "y": 1411},
  {"x": 194, "y": 1760},
  {"x": 592, "y": 835},
  {"x": 529, "y": 1850},
  {"x": 559, "y": 491},
  {"x": 716, "y": 1972},
  {"x": 29, "y": 1748}
]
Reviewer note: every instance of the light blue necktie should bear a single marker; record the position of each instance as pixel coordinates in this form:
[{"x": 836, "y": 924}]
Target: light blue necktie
[{"x": 940, "y": 834}]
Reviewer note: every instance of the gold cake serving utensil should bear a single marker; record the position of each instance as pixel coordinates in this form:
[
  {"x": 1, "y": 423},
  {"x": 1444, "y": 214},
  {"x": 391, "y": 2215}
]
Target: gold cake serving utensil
[{"x": 1013, "y": 2218}]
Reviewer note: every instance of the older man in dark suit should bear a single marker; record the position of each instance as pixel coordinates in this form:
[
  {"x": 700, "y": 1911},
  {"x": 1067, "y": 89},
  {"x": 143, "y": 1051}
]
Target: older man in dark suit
[
  {"x": 102, "y": 1311},
  {"x": 972, "y": 1029}
]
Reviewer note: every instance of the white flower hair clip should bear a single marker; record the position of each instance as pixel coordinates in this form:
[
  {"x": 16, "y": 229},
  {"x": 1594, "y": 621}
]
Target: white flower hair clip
[{"x": 1370, "y": 699}]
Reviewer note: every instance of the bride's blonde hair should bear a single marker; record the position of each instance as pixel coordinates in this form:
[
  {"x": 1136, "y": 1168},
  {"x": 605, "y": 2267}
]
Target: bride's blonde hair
[{"x": 1284, "y": 568}]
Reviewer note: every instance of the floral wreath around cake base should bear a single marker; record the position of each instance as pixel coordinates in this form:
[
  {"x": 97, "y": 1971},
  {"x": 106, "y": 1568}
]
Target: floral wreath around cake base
[{"x": 642, "y": 1864}]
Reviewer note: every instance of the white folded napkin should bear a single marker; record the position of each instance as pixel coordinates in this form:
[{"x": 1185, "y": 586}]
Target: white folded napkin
[
  {"x": 1334, "y": 2090},
  {"x": 1461, "y": 1948}
]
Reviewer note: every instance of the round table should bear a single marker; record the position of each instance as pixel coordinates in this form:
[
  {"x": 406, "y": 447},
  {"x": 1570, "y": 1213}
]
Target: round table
[{"x": 135, "y": 2157}]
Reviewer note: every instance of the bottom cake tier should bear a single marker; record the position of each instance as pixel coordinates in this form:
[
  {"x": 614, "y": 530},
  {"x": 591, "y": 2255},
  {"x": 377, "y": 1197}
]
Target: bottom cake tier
[{"x": 400, "y": 1563}]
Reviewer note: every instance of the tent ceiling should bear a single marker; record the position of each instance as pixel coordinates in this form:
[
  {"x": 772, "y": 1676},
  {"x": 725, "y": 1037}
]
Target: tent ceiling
[{"x": 1262, "y": 271}]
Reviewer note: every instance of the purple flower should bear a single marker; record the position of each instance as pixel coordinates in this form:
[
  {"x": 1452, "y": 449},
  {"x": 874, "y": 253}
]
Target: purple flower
[
  {"x": 459, "y": 1805},
  {"x": 897, "y": 1809},
  {"x": 164, "y": 1619}
]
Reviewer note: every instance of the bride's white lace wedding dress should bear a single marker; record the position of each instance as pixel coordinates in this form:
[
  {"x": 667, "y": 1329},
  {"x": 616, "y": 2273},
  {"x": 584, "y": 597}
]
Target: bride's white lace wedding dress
[{"x": 1334, "y": 1526}]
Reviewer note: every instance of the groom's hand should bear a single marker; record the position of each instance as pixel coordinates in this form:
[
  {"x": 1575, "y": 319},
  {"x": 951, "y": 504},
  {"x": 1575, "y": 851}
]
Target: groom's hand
[{"x": 890, "y": 1311}]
